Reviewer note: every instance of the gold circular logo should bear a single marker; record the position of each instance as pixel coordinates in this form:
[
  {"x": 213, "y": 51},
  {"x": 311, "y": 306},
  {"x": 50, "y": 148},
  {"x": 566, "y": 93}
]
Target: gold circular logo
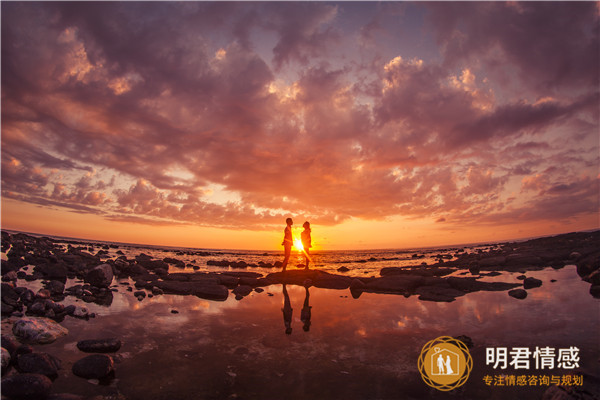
[{"x": 445, "y": 363}]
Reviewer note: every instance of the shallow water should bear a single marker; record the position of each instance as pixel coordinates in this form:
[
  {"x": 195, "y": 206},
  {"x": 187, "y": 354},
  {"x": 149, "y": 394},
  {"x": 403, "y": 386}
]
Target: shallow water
[{"x": 365, "y": 348}]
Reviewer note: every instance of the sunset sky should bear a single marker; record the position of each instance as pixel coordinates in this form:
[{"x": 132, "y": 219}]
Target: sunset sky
[{"x": 386, "y": 125}]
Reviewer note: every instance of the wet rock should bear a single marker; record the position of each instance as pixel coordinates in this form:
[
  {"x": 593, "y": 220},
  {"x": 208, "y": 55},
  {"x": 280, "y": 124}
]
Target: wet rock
[
  {"x": 157, "y": 291},
  {"x": 521, "y": 277},
  {"x": 529, "y": 283},
  {"x": 439, "y": 294},
  {"x": 101, "y": 276},
  {"x": 174, "y": 312},
  {"x": 55, "y": 287},
  {"x": 5, "y": 360},
  {"x": 205, "y": 290},
  {"x": 109, "y": 345},
  {"x": 343, "y": 269},
  {"x": 10, "y": 276},
  {"x": 177, "y": 263},
  {"x": 518, "y": 293},
  {"x": 39, "y": 363},
  {"x": 243, "y": 290},
  {"x": 595, "y": 291},
  {"x": 65, "y": 396},
  {"x": 139, "y": 293},
  {"x": 416, "y": 271},
  {"x": 395, "y": 284},
  {"x": 11, "y": 344},
  {"x": 26, "y": 386},
  {"x": 43, "y": 294},
  {"x": 38, "y": 330},
  {"x": 96, "y": 366}
]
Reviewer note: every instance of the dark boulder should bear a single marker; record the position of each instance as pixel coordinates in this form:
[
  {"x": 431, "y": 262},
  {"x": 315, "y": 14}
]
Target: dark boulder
[
  {"x": 242, "y": 290},
  {"x": 96, "y": 366},
  {"x": 109, "y": 345},
  {"x": 100, "y": 276},
  {"x": 55, "y": 287},
  {"x": 529, "y": 283},
  {"x": 26, "y": 386},
  {"x": 518, "y": 293},
  {"x": 39, "y": 363}
]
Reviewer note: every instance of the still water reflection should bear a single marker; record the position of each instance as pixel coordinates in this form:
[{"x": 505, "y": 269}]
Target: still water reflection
[{"x": 364, "y": 348}]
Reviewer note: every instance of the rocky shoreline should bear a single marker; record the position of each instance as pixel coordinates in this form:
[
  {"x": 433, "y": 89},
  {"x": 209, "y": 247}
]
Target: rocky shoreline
[{"x": 37, "y": 316}]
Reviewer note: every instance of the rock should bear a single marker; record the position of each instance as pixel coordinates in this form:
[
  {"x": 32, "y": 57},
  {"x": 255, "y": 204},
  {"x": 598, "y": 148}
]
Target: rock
[
  {"x": 5, "y": 359},
  {"x": 343, "y": 269},
  {"x": 174, "y": 312},
  {"x": 80, "y": 312},
  {"x": 437, "y": 293},
  {"x": 529, "y": 283},
  {"x": 205, "y": 290},
  {"x": 11, "y": 344},
  {"x": 38, "y": 330},
  {"x": 518, "y": 293},
  {"x": 594, "y": 277},
  {"x": 55, "y": 287},
  {"x": 521, "y": 277},
  {"x": 242, "y": 290},
  {"x": 259, "y": 290},
  {"x": 109, "y": 345},
  {"x": 96, "y": 366},
  {"x": 100, "y": 276},
  {"x": 139, "y": 293},
  {"x": 39, "y": 363},
  {"x": 10, "y": 276},
  {"x": 26, "y": 386},
  {"x": 595, "y": 291},
  {"x": 43, "y": 294},
  {"x": 156, "y": 291},
  {"x": 65, "y": 396}
]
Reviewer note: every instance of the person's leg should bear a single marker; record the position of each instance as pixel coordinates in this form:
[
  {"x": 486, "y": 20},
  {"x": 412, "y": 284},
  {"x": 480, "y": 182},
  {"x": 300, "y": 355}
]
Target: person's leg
[
  {"x": 306, "y": 258},
  {"x": 288, "y": 253}
]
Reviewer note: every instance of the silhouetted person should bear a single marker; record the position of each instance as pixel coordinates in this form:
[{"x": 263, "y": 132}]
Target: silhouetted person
[
  {"x": 287, "y": 311},
  {"x": 305, "y": 313},
  {"x": 306, "y": 242},
  {"x": 287, "y": 243}
]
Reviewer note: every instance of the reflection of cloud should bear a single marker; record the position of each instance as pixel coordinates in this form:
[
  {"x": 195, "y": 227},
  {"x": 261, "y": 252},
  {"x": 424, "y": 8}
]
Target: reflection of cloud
[{"x": 111, "y": 111}]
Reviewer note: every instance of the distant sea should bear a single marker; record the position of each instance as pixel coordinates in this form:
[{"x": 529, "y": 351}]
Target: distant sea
[{"x": 358, "y": 262}]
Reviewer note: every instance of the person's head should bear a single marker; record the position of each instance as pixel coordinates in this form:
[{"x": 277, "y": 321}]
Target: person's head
[
  {"x": 306, "y": 225},
  {"x": 289, "y": 222}
]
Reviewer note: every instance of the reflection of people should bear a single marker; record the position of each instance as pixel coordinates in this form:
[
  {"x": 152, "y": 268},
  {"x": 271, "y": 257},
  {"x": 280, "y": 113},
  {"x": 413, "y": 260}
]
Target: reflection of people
[
  {"x": 449, "y": 370},
  {"x": 440, "y": 364},
  {"x": 288, "y": 240},
  {"x": 287, "y": 312},
  {"x": 306, "y": 242},
  {"x": 305, "y": 313}
]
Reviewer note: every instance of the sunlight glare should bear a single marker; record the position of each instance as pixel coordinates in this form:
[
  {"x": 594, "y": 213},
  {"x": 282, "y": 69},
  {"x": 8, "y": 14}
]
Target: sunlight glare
[{"x": 298, "y": 244}]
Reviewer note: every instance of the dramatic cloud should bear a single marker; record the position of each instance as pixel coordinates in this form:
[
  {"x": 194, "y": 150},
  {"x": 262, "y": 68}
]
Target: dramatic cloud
[{"x": 239, "y": 114}]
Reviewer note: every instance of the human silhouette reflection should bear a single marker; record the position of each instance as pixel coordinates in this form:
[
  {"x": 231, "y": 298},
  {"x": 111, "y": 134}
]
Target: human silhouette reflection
[
  {"x": 305, "y": 313},
  {"x": 287, "y": 311}
]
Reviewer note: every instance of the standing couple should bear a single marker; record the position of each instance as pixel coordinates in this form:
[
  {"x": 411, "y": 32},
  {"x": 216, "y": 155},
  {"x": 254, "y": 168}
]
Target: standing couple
[{"x": 288, "y": 241}]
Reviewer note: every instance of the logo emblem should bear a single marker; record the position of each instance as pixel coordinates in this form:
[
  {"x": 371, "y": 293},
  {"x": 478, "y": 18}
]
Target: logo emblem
[{"x": 445, "y": 363}]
